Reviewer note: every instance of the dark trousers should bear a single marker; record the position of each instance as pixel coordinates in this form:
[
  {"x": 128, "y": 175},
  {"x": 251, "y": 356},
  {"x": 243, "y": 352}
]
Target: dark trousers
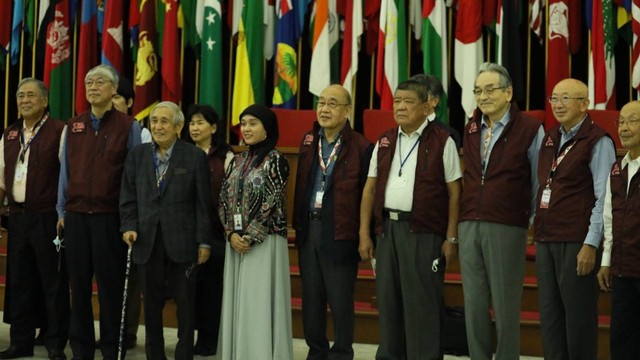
[
  {"x": 38, "y": 276},
  {"x": 568, "y": 303},
  {"x": 625, "y": 318},
  {"x": 410, "y": 295},
  {"x": 94, "y": 246},
  {"x": 208, "y": 300},
  {"x": 153, "y": 276},
  {"x": 325, "y": 281}
]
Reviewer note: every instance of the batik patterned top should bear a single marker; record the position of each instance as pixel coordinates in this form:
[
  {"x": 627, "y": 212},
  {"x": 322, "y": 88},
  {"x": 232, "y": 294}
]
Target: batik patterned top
[{"x": 257, "y": 192}]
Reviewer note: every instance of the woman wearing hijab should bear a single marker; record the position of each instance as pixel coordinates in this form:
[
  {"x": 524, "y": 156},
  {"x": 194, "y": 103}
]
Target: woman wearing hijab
[
  {"x": 207, "y": 132},
  {"x": 256, "y": 304}
]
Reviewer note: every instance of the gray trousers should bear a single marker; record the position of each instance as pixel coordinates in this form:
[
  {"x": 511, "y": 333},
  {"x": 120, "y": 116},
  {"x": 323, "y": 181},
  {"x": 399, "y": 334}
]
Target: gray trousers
[
  {"x": 568, "y": 303},
  {"x": 410, "y": 295},
  {"x": 492, "y": 258}
]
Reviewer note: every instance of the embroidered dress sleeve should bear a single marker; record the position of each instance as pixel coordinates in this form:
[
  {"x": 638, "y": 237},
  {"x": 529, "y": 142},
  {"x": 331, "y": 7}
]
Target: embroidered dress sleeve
[{"x": 270, "y": 217}]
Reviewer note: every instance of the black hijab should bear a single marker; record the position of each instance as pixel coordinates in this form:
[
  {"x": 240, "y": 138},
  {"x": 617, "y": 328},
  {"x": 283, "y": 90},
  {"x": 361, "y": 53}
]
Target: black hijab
[{"x": 270, "y": 124}]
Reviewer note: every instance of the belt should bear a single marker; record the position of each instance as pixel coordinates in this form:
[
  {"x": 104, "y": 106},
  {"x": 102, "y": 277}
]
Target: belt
[
  {"x": 396, "y": 215},
  {"x": 17, "y": 208},
  {"x": 315, "y": 215}
]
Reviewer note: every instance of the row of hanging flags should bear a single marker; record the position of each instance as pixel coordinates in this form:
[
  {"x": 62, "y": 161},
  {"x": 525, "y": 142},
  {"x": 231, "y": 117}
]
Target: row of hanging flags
[{"x": 267, "y": 29}]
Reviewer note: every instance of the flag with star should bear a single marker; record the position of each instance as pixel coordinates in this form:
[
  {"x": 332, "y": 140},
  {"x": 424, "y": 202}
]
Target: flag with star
[{"x": 209, "y": 27}]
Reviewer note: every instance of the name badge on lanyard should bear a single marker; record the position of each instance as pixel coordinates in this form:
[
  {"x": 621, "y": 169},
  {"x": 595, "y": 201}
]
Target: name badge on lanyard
[
  {"x": 237, "y": 221},
  {"x": 546, "y": 198},
  {"x": 21, "y": 171}
]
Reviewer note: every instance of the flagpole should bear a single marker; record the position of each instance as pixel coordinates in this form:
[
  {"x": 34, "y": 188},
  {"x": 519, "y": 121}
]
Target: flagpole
[
  {"x": 631, "y": 73},
  {"x": 299, "y": 72},
  {"x": 352, "y": 118},
  {"x": 21, "y": 67},
  {"x": 372, "y": 77},
  {"x": 196, "y": 98},
  {"x": 409, "y": 42},
  {"x": 74, "y": 67},
  {"x": 6, "y": 90},
  {"x": 230, "y": 88},
  {"x": 182, "y": 39},
  {"x": 489, "y": 48},
  {"x": 527, "y": 91},
  {"x": 33, "y": 45},
  {"x": 450, "y": 36}
]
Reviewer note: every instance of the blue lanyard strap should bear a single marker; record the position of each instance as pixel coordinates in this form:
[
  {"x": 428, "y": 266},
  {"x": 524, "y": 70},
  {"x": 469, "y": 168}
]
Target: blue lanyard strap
[{"x": 406, "y": 157}]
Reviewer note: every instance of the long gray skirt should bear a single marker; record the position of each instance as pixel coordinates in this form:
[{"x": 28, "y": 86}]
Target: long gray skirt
[{"x": 256, "y": 303}]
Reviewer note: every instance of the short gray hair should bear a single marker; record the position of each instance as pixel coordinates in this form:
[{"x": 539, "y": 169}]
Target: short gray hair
[
  {"x": 44, "y": 92},
  {"x": 505, "y": 78},
  {"x": 178, "y": 116},
  {"x": 105, "y": 71}
]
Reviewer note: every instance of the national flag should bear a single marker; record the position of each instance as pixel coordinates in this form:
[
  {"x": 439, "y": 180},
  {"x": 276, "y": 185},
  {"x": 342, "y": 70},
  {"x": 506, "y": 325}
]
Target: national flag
[
  {"x": 147, "y": 79},
  {"x": 434, "y": 48},
  {"x": 210, "y": 25},
  {"x": 134, "y": 28},
  {"x": 44, "y": 11},
  {"x": 193, "y": 16},
  {"x": 57, "y": 65},
  {"x": 286, "y": 64},
  {"x": 558, "y": 51},
  {"x": 171, "y": 74},
  {"x": 269, "y": 28},
  {"x": 87, "y": 52},
  {"x": 324, "y": 48},
  {"x": 535, "y": 18},
  {"x": 391, "y": 64},
  {"x": 415, "y": 18},
  {"x": 468, "y": 49},
  {"x": 249, "y": 71},
  {"x": 5, "y": 27},
  {"x": 372, "y": 18},
  {"x": 602, "y": 67},
  {"x": 508, "y": 46},
  {"x": 29, "y": 21},
  {"x": 112, "y": 35},
  {"x": 635, "y": 52},
  {"x": 350, "y": 44},
  {"x": 16, "y": 28}
]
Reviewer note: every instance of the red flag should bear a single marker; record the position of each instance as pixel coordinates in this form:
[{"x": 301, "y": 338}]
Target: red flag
[
  {"x": 171, "y": 84},
  {"x": 5, "y": 26},
  {"x": 557, "y": 51},
  {"x": 87, "y": 52},
  {"x": 147, "y": 77},
  {"x": 112, "y": 38},
  {"x": 372, "y": 15},
  {"x": 489, "y": 8}
]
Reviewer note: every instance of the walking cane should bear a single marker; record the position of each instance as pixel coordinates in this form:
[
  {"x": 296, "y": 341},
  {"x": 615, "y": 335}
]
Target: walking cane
[{"x": 124, "y": 303}]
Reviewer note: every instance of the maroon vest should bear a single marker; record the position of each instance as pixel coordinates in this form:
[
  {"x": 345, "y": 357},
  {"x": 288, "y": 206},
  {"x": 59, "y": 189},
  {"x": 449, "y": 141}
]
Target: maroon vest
[
  {"x": 346, "y": 188},
  {"x": 505, "y": 194},
  {"x": 625, "y": 253},
  {"x": 572, "y": 199},
  {"x": 43, "y": 168},
  {"x": 95, "y": 161},
  {"x": 430, "y": 208}
]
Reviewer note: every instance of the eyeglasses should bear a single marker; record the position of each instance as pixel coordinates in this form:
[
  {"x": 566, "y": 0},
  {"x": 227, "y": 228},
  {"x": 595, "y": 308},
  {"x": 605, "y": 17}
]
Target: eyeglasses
[
  {"x": 629, "y": 123},
  {"x": 488, "y": 90},
  {"x": 28, "y": 96},
  {"x": 331, "y": 104},
  {"x": 98, "y": 82},
  {"x": 564, "y": 100}
]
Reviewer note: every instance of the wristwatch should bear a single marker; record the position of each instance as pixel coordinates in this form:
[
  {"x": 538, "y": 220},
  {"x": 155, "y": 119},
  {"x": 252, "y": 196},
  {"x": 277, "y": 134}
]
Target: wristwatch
[{"x": 453, "y": 240}]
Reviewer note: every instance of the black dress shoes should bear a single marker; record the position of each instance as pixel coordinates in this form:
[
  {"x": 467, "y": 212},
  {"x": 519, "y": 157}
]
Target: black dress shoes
[
  {"x": 57, "y": 355},
  {"x": 14, "y": 352}
]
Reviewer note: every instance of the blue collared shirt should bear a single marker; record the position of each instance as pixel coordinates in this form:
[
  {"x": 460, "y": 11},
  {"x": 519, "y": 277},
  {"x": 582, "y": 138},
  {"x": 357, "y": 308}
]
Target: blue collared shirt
[
  {"x": 603, "y": 156},
  {"x": 63, "y": 180},
  {"x": 327, "y": 148},
  {"x": 532, "y": 153}
]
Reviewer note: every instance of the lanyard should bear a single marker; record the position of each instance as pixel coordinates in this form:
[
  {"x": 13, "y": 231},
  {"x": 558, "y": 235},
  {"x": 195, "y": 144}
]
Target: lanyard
[
  {"x": 406, "y": 157},
  {"x": 25, "y": 147},
  {"x": 485, "y": 150},
  {"x": 332, "y": 156},
  {"x": 558, "y": 160}
]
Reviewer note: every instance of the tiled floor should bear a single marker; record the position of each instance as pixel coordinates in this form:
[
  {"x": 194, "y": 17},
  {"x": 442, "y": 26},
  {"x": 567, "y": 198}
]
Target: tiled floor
[{"x": 362, "y": 351}]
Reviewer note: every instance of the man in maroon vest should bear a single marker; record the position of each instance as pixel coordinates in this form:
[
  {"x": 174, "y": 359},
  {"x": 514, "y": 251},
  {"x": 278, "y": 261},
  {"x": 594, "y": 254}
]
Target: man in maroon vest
[
  {"x": 332, "y": 170},
  {"x": 574, "y": 162},
  {"x": 620, "y": 267},
  {"x": 501, "y": 148},
  {"x": 94, "y": 152},
  {"x": 412, "y": 191},
  {"x": 30, "y": 154}
]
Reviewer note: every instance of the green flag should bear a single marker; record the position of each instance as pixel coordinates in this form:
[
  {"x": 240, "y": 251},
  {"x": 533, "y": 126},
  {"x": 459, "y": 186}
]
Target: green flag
[{"x": 211, "y": 56}]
